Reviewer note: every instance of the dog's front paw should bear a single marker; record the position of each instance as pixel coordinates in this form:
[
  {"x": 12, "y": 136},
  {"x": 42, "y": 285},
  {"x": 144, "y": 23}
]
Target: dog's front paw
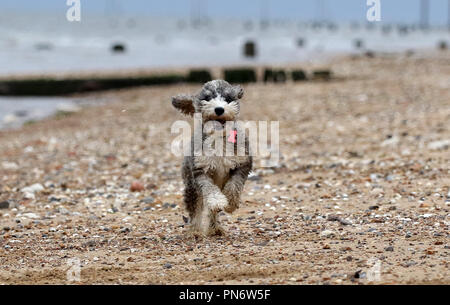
[
  {"x": 217, "y": 202},
  {"x": 232, "y": 206},
  {"x": 216, "y": 230}
]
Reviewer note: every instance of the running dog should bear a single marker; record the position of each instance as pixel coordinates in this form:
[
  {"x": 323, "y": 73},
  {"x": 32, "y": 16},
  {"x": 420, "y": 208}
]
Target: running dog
[{"x": 214, "y": 181}]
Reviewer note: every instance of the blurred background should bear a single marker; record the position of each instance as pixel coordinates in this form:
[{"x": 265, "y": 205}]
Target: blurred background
[{"x": 37, "y": 39}]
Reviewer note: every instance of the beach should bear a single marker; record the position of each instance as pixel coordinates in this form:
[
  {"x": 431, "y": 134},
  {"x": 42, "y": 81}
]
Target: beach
[{"x": 361, "y": 194}]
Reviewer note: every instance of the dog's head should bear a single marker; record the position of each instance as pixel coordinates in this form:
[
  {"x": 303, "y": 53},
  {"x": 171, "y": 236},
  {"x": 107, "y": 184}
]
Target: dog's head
[{"x": 217, "y": 101}]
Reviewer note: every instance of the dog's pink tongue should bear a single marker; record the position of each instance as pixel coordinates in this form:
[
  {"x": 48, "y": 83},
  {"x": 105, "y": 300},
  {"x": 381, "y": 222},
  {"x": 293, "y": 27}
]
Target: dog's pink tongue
[{"x": 232, "y": 137}]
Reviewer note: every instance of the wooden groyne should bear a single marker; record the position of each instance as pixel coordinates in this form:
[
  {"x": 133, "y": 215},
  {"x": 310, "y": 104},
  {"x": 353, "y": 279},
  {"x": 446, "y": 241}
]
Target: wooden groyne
[{"x": 53, "y": 86}]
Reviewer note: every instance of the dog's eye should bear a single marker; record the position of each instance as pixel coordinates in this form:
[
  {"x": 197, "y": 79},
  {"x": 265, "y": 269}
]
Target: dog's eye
[
  {"x": 228, "y": 99},
  {"x": 207, "y": 97}
]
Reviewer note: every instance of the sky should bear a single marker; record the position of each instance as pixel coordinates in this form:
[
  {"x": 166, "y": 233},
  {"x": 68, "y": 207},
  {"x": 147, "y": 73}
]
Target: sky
[{"x": 392, "y": 11}]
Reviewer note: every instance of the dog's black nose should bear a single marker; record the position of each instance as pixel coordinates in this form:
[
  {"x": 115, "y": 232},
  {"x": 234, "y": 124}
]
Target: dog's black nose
[{"x": 219, "y": 110}]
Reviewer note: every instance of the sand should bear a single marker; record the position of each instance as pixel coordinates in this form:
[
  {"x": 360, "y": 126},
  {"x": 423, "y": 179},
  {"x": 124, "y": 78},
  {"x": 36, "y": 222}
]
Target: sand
[{"x": 361, "y": 194}]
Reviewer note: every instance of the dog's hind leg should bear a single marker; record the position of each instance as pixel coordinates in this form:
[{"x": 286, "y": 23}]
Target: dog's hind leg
[
  {"x": 197, "y": 219},
  {"x": 193, "y": 200}
]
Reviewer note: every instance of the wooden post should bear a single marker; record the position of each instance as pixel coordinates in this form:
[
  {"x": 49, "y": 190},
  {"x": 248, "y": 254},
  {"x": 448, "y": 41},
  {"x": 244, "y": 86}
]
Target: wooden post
[{"x": 250, "y": 49}]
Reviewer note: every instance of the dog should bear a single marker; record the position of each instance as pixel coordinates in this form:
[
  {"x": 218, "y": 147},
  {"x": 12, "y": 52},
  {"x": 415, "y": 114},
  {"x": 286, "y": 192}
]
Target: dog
[{"x": 214, "y": 181}]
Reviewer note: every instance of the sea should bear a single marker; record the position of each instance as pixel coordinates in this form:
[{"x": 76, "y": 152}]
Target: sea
[{"x": 39, "y": 43}]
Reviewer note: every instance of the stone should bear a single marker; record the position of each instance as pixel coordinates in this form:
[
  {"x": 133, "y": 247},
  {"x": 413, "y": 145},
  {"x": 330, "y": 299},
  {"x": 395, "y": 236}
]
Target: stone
[
  {"x": 9, "y": 165},
  {"x": 148, "y": 200},
  {"x": 359, "y": 274},
  {"x": 37, "y": 187},
  {"x": 29, "y": 195},
  {"x": 439, "y": 145},
  {"x": 327, "y": 233},
  {"x": 136, "y": 186},
  {"x": 377, "y": 191},
  {"x": 4, "y": 205},
  {"x": 31, "y": 215}
]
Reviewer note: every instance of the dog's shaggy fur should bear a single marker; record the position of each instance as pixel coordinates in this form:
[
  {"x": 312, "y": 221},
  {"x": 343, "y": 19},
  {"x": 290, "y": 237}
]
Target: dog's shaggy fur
[{"x": 214, "y": 183}]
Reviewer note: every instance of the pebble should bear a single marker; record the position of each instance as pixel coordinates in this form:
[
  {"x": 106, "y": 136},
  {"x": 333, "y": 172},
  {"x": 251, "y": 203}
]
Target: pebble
[
  {"x": 9, "y": 165},
  {"x": 409, "y": 264},
  {"x": 438, "y": 145},
  {"x": 89, "y": 244},
  {"x": 126, "y": 219},
  {"x": 389, "y": 249},
  {"x": 377, "y": 191},
  {"x": 359, "y": 274},
  {"x": 167, "y": 266},
  {"x": 373, "y": 177},
  {"x": 340, "y": 220},
  {"x": 148, "y": 200},
  {"x": 29, "y": 195},
  {"x": 125, "y": 230},
  {"x": 4, "y": 205},
  {"x": 37, "y": 187},
  {"x": 389, "y": 178},
  {"x": 327, "y": 233},
  {"x": 31, "y": 215},
  {"x": 63, "y": 211},
  {"x": 136, "y": 186}
]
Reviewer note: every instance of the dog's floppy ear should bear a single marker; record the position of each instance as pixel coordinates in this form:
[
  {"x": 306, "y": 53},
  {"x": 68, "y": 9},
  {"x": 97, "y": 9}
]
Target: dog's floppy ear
[
  {"x": 184, "y": 103},
  {"x": 239, "y": 92}
]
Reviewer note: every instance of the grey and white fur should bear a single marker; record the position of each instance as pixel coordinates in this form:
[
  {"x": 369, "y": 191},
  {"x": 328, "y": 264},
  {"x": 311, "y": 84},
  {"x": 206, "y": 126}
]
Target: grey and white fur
[{"x": 214, "y": 183}]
